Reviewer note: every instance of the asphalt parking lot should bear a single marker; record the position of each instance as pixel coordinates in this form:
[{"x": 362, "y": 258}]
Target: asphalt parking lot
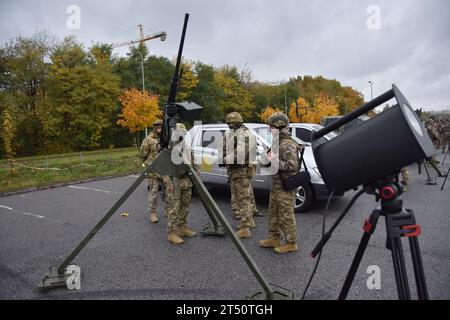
[{"x": 131, "y": 259}]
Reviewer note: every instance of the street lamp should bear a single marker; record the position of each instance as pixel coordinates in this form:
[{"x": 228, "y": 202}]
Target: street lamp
[{"x": 371, "y": 90}]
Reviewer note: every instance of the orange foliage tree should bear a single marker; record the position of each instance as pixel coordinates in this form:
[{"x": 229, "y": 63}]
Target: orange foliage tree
[
  {"x": 323, "y": 106},
  {"x": 139, "y": 110},
  {"x": 267, "y": 112},
  {"x": 302, "y": 106}
]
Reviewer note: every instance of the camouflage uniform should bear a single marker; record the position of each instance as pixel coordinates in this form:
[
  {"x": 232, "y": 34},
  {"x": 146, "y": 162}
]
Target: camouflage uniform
[
  {"x": 178, "y": 197},
  {"x": 434, "y": 135},
  {"x": 445, "y": 135},
  {"x": 238, "y": 152},
  {"x": 149, "y": 152},
  {"x": 235, "y": 204},
  {"x": 281, "y": 204},
  {"x": 405, "y": 176}
]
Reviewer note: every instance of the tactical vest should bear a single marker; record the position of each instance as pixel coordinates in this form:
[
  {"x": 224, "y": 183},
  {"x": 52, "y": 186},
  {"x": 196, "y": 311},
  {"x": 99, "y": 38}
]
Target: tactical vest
[{"x": 247, "y": 147}]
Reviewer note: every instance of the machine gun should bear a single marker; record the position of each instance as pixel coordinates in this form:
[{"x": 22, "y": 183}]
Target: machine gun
[{"x": 164, "y": 166}]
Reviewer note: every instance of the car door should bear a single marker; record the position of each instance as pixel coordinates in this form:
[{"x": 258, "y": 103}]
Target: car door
[{"x": 209, "y": 141}]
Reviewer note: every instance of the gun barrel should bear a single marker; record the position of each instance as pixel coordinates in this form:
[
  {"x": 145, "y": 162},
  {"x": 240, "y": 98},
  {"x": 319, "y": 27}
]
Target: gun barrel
[{"x": 174, "y": 84}]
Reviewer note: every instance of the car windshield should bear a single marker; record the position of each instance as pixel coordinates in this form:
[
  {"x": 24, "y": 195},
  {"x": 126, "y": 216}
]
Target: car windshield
[{"x": 264, "y": 133}]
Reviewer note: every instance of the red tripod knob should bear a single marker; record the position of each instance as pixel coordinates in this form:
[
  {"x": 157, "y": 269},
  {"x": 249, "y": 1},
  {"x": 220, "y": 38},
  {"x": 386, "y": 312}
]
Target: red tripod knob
[{"x": 388, "y": 193}]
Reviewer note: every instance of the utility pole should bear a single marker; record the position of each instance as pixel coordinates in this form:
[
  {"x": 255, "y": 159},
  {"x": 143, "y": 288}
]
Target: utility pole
[
  {"x": 371, "y": 90},
  {"x": 162, "y": 35},
  {"x": 285, "y": 100}
]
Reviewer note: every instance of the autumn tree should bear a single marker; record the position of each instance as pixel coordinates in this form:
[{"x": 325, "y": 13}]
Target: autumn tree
[
  {"x": 139, "y": 110},
  {"x": 303, "y": 108},
  {"x": 267, "y": 112},
  {"x": 323, "y": 106},
  {"x": 188, "y": 81}
]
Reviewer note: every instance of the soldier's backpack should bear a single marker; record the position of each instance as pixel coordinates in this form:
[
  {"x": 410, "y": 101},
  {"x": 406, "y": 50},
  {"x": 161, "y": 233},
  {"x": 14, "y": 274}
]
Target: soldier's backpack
[{"x": 299, "y": 179}]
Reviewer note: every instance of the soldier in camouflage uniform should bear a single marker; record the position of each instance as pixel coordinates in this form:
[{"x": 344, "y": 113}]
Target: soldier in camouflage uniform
[
  {"x": 235, "y": 205},
  {"x": 434, "y": 135},
  {"x": 178, "y": 199},
  {"x": 284, "y": 157},
  {"x": 149, "y": 152},
  {"x": 405, "y": 178},
  {"x": 237, "y": 151},
  {"x": 444, "y": 133}
]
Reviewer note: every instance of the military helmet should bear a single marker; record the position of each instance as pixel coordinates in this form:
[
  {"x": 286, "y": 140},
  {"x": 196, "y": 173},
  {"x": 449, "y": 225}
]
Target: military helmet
[
  {"x": 278, "y": 120},
  {"x": 233, "y": 118},
  {"x": 157, "y": 123}
]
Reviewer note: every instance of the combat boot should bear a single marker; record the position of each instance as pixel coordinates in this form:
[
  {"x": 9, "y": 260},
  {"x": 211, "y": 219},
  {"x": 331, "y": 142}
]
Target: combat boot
[
  {"x": 244, "y": 233},
  {"x": 270, "y": 243},
  {"x": 186, "y": 232},
  {"x": 154, "y": 217},
  {"x": 288, "y": 247},
  {"x": 174, "y": 238}
]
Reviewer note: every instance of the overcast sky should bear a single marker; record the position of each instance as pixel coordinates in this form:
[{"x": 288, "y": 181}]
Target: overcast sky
[{"x": 275, "y": 39}]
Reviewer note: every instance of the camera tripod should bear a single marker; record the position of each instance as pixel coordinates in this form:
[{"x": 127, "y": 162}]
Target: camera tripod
[{"x": 400, "y": 222}]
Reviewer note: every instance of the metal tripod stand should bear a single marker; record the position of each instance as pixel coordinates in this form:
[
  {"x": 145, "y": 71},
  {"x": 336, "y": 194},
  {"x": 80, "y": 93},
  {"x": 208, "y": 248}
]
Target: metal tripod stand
[{"x": 400, "y": 222}]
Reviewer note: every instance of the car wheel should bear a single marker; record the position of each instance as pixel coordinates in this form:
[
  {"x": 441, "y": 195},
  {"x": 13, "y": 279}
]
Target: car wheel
[{"x": 304, "y": 197}]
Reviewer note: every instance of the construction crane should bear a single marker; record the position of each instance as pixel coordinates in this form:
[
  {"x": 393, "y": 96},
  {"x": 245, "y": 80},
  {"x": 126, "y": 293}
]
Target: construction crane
[{"x": 162, "y": 35}]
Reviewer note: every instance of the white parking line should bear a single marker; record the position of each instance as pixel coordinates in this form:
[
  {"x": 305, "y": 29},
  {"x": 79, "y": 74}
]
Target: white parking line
[
  {"x": 29, "y": 214},
  {"x": 133, "y": 176},
  {"x": 93, "y": 189}
]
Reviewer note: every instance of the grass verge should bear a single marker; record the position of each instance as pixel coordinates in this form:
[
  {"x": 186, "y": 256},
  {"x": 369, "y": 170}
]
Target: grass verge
[{"x": 41, "y": 171}]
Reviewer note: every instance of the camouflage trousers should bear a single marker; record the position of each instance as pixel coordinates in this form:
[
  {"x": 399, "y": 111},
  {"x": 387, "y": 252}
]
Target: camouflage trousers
[
  {"x": 153, "y": 188},
  {"x": 405, "y": 176},
  {"x": 243, "y": 199},
  {"x": 281, "y": 215},
  {"x": 177, "y": 201},
  {"x": 235, "y": 204}
]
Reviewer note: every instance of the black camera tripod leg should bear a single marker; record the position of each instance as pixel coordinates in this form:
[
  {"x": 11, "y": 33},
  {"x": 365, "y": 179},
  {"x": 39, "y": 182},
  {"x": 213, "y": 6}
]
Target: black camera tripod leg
[
  {"x": 401, "y": 276},
  {"x": 369, "y": 228},
  {"x": 446, "y": 154},
  {"x": 419, "y": 273},
  {"x": 446, "y": 177}
]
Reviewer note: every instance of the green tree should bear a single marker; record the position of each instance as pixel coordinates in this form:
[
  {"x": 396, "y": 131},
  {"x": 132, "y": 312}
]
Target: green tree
[
  {"x": 7, "y": 129},
  {"x": 206, "y": 93},
  {"x": 232, "y": 95},
  {"x": 83, "y": 94},
  {"x": 24, "y": 68}
]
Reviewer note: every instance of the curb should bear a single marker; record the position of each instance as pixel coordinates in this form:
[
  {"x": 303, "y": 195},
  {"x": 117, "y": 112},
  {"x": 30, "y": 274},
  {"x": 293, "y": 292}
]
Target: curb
[{"x": 61, "y": 184}]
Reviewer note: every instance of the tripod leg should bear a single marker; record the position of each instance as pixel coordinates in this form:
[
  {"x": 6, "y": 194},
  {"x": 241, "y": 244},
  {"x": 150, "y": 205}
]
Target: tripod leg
[
  {"x": 446, "y": 176},
  {"x": 369, "y": 228},
  {"x": 446, "y": 154},
  {"x": 419, "y": 273},
  {"x": 433, "y": 165},
  {"x": 426, "y": 170},
  {"x": 401, "y": 276}
]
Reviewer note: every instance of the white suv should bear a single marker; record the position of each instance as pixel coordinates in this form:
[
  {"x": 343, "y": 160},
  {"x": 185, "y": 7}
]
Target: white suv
[{"x": 204, "y": 141}]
